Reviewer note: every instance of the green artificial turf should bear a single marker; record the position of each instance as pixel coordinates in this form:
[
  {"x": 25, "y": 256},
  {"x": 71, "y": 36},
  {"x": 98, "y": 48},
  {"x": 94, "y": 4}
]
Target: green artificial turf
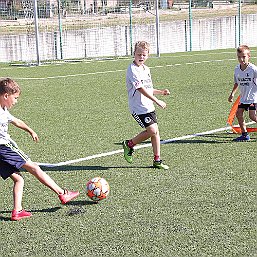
[{"x": 204, "y": 205}]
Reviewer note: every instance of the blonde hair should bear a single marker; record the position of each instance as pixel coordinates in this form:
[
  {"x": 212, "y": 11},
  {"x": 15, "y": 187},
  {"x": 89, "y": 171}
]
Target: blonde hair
[
  {"x": 9, "y": 86},
  {"x": 242, "y": 48},
  {"x": 143, "y": 45}
]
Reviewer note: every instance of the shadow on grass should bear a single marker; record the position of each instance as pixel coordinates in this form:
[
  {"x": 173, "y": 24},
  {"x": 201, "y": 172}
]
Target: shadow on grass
[
  {"x": 80, "y": 203},
  {"x": 54, "y": 209},
  {"x": 72, "y": 168},
  {"x": 5, "y": 218},
  {"x": 205, "y": 139},
  {"x": 214, "y": 139},
  {"x": 77, "y": 207}
]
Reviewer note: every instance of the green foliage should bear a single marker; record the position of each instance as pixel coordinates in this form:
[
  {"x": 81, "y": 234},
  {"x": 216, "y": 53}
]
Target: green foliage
[{"x": 205, "y": 205}]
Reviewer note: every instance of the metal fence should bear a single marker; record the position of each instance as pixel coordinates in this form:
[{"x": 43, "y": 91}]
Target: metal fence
[{"x": 34, "y": 31}]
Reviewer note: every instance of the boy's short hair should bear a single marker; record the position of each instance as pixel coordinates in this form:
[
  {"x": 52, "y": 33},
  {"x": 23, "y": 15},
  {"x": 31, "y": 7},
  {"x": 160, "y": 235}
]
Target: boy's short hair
[
  {"x": 9, "y": 86},
  {"x": 242, "y": 48},
  {"x": 143, "y": 45}
]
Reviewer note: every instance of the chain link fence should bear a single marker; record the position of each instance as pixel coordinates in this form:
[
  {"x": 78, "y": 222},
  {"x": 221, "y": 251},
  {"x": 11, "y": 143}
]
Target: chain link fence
[{"x": 33, "y": 31}]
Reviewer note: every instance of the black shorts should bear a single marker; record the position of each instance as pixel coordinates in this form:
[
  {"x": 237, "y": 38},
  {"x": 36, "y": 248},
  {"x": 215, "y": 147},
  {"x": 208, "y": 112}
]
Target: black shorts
[
  {"x": 11, "y": 160},
  {"x": 252, "y": 106},
  {"x": 145, "y": 120}
]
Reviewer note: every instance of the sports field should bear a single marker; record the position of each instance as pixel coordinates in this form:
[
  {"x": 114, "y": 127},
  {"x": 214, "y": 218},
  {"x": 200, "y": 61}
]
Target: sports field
[{"x": 204, "y": 205}]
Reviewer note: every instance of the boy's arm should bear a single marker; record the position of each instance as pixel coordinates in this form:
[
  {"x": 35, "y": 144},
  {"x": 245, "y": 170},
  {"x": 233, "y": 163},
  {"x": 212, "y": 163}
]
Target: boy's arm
[
  {"x": 160, "y": 103},
  {"x": 161, "y": 92},
  {"x": 231, "y": 96},
  {"x": 22, "y": 125}
]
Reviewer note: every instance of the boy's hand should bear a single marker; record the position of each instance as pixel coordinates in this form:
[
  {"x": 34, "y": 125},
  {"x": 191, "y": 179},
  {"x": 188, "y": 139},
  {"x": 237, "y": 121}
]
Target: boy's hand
[
  {"x": 161, "y": 104},
  {"x": 230, "y": 99},
  {"x": 34, "y": 136},
  {"x": 166, "y": 92}
]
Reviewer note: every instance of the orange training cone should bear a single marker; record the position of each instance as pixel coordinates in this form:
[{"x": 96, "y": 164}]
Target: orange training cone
[{"x": 231, "y": 118}]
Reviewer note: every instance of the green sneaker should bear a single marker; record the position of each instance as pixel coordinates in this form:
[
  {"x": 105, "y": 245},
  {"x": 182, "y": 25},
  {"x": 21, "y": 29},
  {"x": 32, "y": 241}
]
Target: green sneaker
[
  {"x": 160, "y": 165},
  {"x": 127, "y": 151}
]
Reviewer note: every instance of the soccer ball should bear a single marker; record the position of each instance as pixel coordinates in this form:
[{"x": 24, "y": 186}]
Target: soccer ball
[{"x": 97, "y": 189}]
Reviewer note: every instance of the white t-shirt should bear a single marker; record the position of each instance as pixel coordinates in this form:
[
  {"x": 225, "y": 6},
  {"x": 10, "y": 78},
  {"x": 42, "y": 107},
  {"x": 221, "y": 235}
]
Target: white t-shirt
[
  {"x": 138, "y": 77},
  {"x": 246, "y": 81},
  {"x": 5, "y": 119}
]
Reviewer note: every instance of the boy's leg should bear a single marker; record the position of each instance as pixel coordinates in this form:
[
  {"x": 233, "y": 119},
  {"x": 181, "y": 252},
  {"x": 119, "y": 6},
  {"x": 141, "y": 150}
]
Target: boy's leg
[
  {"x": 240, "y": 118},
  {"x": 17, "y": 212},
  {"x": 252, "y": 115},
  {"x": 153, "y": 130},
  {"x": 129, "y": 144},
  {"x": 17, "y": 190},
  {"x": 64, "y": 195},
  {"x": 241, "y": 121},
  {"x": 142, "y": 136},
  {"x": 36, "y": 171}
]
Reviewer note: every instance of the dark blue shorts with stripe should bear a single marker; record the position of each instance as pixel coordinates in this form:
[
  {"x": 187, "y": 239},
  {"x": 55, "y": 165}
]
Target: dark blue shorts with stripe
[{"x": 11, "y": 160}]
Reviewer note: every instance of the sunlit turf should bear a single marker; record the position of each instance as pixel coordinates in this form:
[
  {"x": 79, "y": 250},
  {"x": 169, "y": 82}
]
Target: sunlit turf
[{"x": 204, "y": 205}]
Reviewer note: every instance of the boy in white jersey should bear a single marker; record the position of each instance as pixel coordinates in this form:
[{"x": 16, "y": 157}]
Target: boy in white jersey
[
  {"x": 12, "y": 158},
  {"x": 245, "y": 76},
  {"x": 141, "y": 98}
]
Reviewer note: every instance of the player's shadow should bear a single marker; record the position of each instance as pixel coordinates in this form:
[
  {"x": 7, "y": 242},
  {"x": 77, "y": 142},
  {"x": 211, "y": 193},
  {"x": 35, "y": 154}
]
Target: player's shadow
[
  {"x": 80, "y": 203},
  {"x": 204, "y": 139},
  {"x": 77, "y": 207},
  {"x": 54, "y": 209},
  {"x": 5, "y": 218},
  {"x": 201, "y": 140},
  {"x": 72, "y": 168}
]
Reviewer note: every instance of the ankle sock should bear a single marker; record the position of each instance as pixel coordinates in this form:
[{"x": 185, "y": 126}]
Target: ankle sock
[
  {"x": 130, "y": 144},
  {"x": 157, "y": 158}
]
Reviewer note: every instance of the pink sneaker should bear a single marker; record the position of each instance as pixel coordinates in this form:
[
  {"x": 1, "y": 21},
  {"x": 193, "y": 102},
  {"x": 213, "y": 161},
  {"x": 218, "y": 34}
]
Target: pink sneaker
[
  {"x": 68, "y": 196},
  {"x": 17, "y": 215}
]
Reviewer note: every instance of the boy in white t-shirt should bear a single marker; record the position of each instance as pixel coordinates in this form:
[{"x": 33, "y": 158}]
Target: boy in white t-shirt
[
  {"x": 12, "y": 159},
  {"x": 141, "y": 104},
  {"x": 245, "y": 76}
]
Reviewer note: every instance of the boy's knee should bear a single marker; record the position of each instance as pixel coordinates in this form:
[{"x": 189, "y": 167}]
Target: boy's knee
[
  {"x": 152, "y": 132},
  {"x": 31, "y": 166},
  {"x": 239, "y": 115},
  {"x": 17, "y": 178},
  {"x": 253, "y": 117}
]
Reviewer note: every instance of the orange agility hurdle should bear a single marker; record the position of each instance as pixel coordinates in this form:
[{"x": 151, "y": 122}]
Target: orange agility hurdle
[{"x": 231, "y": 117}]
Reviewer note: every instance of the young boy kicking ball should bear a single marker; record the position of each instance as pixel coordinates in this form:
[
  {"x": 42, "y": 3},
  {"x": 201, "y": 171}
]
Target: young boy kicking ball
[{"x": 12, "y": 158}]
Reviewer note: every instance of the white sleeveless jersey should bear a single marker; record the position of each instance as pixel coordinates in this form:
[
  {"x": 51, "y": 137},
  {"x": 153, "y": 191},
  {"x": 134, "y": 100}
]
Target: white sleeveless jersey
[
  {"x": 247, "y": 82},
  {"x": 139, "y": 77}
]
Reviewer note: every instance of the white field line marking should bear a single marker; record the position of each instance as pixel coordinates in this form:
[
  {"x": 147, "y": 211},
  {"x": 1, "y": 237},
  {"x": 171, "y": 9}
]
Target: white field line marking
[
  {"x": 121, "y": 58},
  {"x": 114, "y": 71},
  {"x": 136, "y": 147},
  {"x": 118, "y": 59}
]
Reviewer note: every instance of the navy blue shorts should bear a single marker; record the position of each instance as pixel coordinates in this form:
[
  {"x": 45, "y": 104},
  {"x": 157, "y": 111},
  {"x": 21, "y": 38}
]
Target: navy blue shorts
[
  {"x": 11, "y": 160},
  {"x": 247, "y": 107},
  {"x": 145, "y": 120}
]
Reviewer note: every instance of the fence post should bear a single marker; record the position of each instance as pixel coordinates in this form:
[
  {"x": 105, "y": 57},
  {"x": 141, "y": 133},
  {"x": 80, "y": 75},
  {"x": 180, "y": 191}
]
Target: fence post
[
  {"x": 239, "y": 22},
  {"x": 130, "y": 26},
  {"x": 190, "y": 24},
  {"x": 157, "y": 21},
  {"x": 60, "y": 27},
  {"x": 36, "y": 31},
  {"x": 185, "y": 35}
]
